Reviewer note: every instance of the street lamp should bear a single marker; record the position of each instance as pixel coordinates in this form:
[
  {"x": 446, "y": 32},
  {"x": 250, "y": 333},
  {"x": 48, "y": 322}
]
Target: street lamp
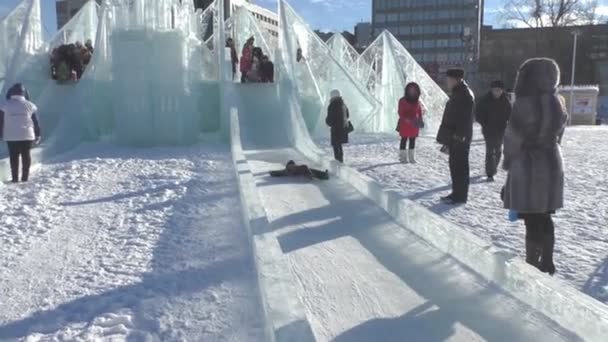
[
  {"x": 575, "y": 33},
  {"x": 467, "y": 38}
]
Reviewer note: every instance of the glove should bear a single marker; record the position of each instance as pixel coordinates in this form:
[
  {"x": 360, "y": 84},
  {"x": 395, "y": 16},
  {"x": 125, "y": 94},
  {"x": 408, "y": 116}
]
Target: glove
[{"x": 513, "y": 216}]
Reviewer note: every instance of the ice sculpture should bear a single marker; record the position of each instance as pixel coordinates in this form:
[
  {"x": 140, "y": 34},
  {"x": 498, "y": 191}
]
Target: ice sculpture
[
  {"x": 344, "y": 52},
  {"x": 20, "y": 37},
  {"x": 150, "y": 61},
  {"x": 318, "y": 72},
  {"x": 82, "y": 27},
  {"x": 386, "y": 67}
]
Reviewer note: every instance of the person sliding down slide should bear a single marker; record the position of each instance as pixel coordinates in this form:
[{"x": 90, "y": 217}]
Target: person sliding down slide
[{"x": 294, "y": 170}]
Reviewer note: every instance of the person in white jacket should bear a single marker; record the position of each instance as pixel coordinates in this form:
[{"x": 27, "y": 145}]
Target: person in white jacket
[{"x": 20, "y": 129}]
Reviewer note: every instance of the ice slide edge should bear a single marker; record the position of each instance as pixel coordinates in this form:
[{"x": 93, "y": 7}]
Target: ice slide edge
[{"x": 285, "y": 316}]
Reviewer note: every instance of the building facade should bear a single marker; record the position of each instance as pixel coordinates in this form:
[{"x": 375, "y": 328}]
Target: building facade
[
  {"x": 363, "y": 34},
  {"x": 438, "y": 33},
  {"x": 504, "y": 50},
  {"x": 268, "y": 20},
  {"x": 66, "y": 9}
]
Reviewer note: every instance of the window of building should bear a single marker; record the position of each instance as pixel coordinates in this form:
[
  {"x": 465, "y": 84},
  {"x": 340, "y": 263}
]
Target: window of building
[
  {"x": 380, "y": 18},
  {"x": 429, "y": 44},
  {"x": 393, "y": 17}
]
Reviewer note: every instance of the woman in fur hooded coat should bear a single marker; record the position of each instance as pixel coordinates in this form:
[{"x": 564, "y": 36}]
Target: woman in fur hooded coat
[{"x": 535, "y": 181}]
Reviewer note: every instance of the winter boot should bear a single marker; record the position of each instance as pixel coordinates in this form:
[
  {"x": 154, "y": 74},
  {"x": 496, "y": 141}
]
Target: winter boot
[
  {"x": 533, "y": 252},
  {"x": 412, "y": 156},
  {"x": 546, "y": 258},
  {"x": 403, "y": 157}
]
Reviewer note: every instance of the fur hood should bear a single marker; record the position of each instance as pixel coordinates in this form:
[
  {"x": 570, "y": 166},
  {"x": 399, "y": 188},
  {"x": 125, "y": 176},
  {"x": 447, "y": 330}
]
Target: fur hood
[{"x": 537, "y": 76}]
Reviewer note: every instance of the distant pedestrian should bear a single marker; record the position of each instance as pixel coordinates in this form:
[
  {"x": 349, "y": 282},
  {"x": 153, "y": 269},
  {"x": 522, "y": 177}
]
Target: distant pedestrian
[
  {"x": 493, "y": 112},
  {"x": 410, "y": 122},
  {"x": 535, "y": 181},
  {"x": 19, "y": 128},
  {"x": 246, "y": 59},
  {"x": 338, "y": 120},
  {"x": 456, "y": 133}
]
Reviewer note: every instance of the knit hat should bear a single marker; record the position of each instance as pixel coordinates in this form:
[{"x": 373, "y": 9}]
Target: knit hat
[
  {"x": 497, "y": 84},
  {"x": 334, "y": 93},
  {"x": 455, "y": 73}
]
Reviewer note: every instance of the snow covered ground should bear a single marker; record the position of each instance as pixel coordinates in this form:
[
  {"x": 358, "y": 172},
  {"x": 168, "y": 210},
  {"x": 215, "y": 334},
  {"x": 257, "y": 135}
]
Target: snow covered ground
[
  {"x": 130, "y": 244},
  {"x": 581, "y": 228}
]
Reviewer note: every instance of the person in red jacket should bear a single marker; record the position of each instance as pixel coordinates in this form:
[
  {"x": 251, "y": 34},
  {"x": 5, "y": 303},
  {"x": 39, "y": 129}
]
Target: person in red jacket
[
  {"x": 410, "y": 122},
  {"x": 247, "y": 59}
]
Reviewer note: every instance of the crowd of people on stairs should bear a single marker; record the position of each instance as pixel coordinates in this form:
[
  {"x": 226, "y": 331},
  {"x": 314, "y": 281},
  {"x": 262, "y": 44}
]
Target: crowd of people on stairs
[
  {"x": 255, "y": 66},
  {"x": 69, "y": 61}
]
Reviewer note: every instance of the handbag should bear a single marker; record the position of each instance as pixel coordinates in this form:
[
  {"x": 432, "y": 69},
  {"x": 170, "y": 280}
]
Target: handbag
[
  {"x": 398, "y": 125},
  {"x": 350, "y": 128},
  {"x": 419, "y": 122}
]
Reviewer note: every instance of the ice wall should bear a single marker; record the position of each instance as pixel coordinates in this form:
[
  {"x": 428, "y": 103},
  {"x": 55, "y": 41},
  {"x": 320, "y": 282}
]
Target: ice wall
[
  {"x": 20, "y": 37},
  {"x": 82, "y": 27},
  {"x": 343, "y": 52},
  {"x": 151, "y": 80},
  {"x": 386, "y": 67},
  {"x": 319, "y": 72}
]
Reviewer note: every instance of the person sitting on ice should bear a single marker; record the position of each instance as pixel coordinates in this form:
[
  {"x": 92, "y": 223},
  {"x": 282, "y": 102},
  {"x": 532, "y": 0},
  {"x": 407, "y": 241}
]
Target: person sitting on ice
[
  {"x": 19, "y": 128},
  {"x": 294, "y": 170},
  {"x": 267, "y": 70},
  {"x": 255, "y": 73}
]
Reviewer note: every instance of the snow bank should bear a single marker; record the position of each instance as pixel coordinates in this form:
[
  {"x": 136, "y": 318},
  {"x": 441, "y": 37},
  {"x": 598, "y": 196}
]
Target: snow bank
[{"x": 284, "y": 314}]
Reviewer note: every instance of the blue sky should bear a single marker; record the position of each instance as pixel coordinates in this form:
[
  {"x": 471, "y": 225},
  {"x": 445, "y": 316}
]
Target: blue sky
[{"x": 321, "y": 14}]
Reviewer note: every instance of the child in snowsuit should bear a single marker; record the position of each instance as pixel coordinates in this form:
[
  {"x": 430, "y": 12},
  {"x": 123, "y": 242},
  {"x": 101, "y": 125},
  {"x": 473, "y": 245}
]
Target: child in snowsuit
[{"x": 294, "y": 170}]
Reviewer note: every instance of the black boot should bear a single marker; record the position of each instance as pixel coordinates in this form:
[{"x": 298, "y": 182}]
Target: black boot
[
  {"x": 546, "y": 259},
  {"x": 533, "y": 252}
]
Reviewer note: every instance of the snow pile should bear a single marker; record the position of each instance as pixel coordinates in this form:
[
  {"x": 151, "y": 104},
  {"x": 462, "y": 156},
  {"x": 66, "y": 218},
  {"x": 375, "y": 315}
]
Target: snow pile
[{"x": 116, "y": 243}]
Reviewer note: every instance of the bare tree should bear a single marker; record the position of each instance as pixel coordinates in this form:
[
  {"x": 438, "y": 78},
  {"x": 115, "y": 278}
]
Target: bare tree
[{"x": 549, "y": 13}]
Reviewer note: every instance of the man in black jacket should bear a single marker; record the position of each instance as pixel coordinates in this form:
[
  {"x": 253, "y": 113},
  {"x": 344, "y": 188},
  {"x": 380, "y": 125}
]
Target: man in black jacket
[
  {"x": 456, "y": 133},
  {"x": 493, "y": 112}
]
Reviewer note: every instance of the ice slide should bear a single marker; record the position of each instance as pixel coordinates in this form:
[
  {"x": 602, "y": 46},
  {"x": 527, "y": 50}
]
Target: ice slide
[{"x": 359, "y": 274}]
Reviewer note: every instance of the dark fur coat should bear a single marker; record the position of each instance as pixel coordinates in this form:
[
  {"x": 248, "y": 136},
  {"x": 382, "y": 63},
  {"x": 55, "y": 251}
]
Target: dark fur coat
[{"x": 533, "y": 159}]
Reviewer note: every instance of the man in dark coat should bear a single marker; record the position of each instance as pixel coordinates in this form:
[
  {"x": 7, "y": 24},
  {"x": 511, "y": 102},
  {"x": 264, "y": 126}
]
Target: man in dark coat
[
  {"x": 456, "y": 133},
  {"x": 493, "y": 112},
  {"x": 338, "y": 120}
]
